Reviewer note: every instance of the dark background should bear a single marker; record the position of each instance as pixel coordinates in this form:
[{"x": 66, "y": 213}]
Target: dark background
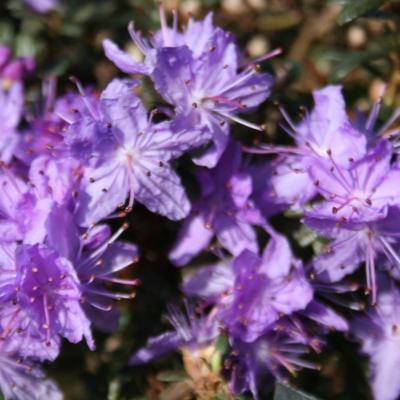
[{"x": 322, "y": 43}]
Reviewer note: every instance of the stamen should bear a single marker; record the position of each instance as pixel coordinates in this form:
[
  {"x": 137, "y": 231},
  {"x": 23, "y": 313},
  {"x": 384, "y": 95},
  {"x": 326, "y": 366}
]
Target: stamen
[
  {"x": 352, "y": 305},
  {"x": 241, "y": 78},
  {"x": 51, "y": 88},
  {"x": 130, "y": 282},
  {"x": 164, "y": 25},
  {"x": 373, "y": 116},
  {"x": 87, "y": 103},
  {"x": 111, "y": 295},
  {"x": 66, "y": 119},
  {"x": 388, "y": 123},
  {"x": 137, "y": 39},
  {"x": 131, "y": 179},
  {"x": 224, "y": 100},
  {"x": 272, "y": 149},
  {"x": 101, "y": 307},
  {"x": 175, "y": 21},
  {"x": 153, "y": 113},
  {"x": 341, "y": 178},
  {"x": 240, "y": 121},
  {"x": 99, "y": 251},
  {"x": 390, "y": 251},
  {"x": 281, "y": 360},
  {"x": 370, "y": 265},
  {"x": 267, "y": 56},
  {"x": 7, "y": 328}
]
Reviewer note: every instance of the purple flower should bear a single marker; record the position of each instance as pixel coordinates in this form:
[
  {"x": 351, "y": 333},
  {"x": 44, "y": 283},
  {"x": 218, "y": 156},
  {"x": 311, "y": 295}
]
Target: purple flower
[
  {"x": 49, "y": 293},
  {"x": 24, "y": 380},
  {"x": 360, "y": 243},
  {"x": 189, "y": 331},
  {"x": 199, "y": 72},
  {"x": 99, "y": 267},
  {"x": 356, "y": 211},
  {"x": 11, "y": 103},
  {"x": 265, "y": 288},
  {"x": 264, "y": 195},
  {"x": 13, "y": 69},
  {"x": 215, "y": 284},
  {"x": 22, "y": 213},
  {"x": 379, "y": 331},
  {"x": 129, "y": 157},
  {"x": 253, "y": 365},
  {"x": 224, "y": 210},
  {"x": 198, "y": 36},
  {"x": 57, "y": 287},
  {"x": 97, "y": 257},
  {"x": 210, "y": 282},
  {"x": 210, "y": 89},
  {"x": 325, "y": 134},
  {"x": 45, "y": 294},
  {"x": 42, "y": 6},
  {"x": 361, "y": 193},
  {"x": 12, "y": 72},
  {"x": 5, "y": 55},
  {"x": 44, "y": 135},
  {"x": 57, "y": 179},
  {"x": 290, "y": 182}
]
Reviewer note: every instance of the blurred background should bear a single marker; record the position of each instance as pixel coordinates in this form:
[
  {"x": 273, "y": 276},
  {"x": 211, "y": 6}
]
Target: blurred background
[{"x": 352, "y": 42}]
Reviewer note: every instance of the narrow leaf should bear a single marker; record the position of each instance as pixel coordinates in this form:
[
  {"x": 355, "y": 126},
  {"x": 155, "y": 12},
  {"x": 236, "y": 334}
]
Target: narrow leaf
[
  {"x": 355, "y": 9},
  {"x": 285, "y": 392}
]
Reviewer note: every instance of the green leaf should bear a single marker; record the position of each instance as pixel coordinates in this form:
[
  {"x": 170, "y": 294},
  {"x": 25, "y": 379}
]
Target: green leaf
[
  {"x": 221, "y": 349},
  {"x": 6, "y": 33},
  {"x": 222, "y": 344},
  {"x": 220, "y": 397},
  {"x": 305, "y": 236},
  {"x": 377, "y": 49},
  {"x": 355, "y": 8},
  {"x": 172, "y": 376},
  {"x": 285, "y": 392},
  {"x": 341, "y": 2},
  {"x": 114, "y": 389}
]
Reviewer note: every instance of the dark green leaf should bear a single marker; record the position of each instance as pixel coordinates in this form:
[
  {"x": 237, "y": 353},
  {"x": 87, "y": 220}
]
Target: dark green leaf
[
  {"x": 172, "y": 376},
  {"x": 341, "y": 2},
  {"x": 354, "y": 9},
  {"x": 377, "y": 49},
  {"x": 285, "y": 392},
  {"x": 220, "y": 397},
  {"x": 222, "y": 344}
]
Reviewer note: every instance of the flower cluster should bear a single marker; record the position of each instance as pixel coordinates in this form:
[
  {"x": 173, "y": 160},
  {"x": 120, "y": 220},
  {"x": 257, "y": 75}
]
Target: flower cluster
[
  {"x": 57, "y": 254},
  {"x": 344, "y": 178},
  {"x": 85, "y": 158}
]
